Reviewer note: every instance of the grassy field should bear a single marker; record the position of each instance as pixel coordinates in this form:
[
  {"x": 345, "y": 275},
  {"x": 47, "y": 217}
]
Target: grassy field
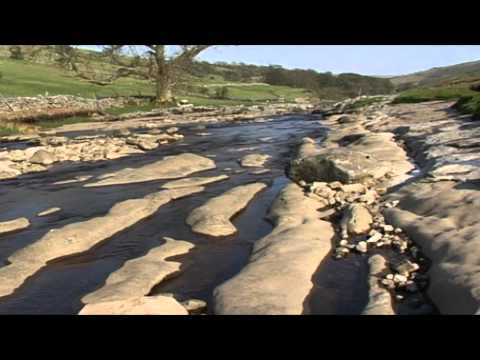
[{"x": 21, "y": 78}]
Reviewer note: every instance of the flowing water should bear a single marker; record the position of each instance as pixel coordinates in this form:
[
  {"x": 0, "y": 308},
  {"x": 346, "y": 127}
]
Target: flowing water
[{"x": 340, "y": 287}]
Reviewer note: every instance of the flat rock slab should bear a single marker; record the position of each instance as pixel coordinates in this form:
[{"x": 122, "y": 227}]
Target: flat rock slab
[
  {"x": 50, "y": 211},
  {"x": 213, "y": 218},
  {"x": 81, "y": 236},
  {"x": 169, "y": 167},
  {"x": 193, "y": 181},
  {"x": 14, "y": 225},
  {"x": 278, "y": 278},
  {"x": 254, "y": 160},
  {"x": 366, "y": 156},
  {"x": 138, "y": 276},
  {"x": 443, "y": 219},
  {"x": 379, "y": 298},
  {"x": 259, "y": 171},
  {"x": 147, "y": 305}
]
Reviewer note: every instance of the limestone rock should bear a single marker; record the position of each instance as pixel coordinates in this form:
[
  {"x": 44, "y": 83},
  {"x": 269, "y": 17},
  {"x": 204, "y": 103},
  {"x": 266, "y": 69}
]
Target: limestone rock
[
  {"x": 193, "y": 181},
  {"x": 14, "y": 225},
  {"x": 278, "y": 276},
  {"x": 353, "y": 188},
  {"x": 356, "y": 219},
  {"x": 338, "y": 165},
  {"x": 172, "y": 130},
  {"x": 254, "y": 160},
  {"x": 138, "y": 276},
  {"x": 80, "y": 236},
  {"x": 7, "y": 171},
  {"x": 147, "y": 305},
  {"x": 194, "y": 305},
  {"x": 380, "y": 299},
  {"x": 42, "y": 157},
  {"x": 49, "y": 211},
  {"x": 361, "y": 247},
  {"x": 213, "y": 218},
  {"x": 406, "y": 267},
  {"x": 259, "y": 171},
  {"x": 170, "y": 167}
]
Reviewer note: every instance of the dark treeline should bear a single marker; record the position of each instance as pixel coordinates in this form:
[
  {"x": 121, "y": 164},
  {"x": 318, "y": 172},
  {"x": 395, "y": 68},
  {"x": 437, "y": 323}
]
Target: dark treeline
[{"x": 322, "y": 84}]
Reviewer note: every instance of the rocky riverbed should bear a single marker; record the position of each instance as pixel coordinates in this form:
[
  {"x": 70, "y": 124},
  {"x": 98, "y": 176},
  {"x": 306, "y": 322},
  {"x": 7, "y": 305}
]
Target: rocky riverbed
[{"x": 370, "y": 211}]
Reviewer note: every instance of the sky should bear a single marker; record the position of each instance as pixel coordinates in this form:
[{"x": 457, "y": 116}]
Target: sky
[{"x": 386, "y": 60}]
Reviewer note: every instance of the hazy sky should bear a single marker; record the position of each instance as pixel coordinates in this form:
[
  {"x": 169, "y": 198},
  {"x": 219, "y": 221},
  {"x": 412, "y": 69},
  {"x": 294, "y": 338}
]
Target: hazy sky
[{"x": 362, "y": 59}]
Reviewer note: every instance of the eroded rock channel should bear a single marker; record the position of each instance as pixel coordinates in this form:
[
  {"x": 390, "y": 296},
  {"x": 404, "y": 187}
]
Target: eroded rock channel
[
  {"x": 112, "y": 216},
  {"x": 300, "y": 214}
]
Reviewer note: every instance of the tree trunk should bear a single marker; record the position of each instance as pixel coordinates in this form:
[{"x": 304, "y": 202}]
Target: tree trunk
[
  {"x": 163, "y": 85},
  {"x": 163, "y": 93}
]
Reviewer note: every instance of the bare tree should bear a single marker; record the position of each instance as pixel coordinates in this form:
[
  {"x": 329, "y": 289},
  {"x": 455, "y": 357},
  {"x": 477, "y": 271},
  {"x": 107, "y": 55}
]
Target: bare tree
[
  {"x": 155, "y": 64},
  {"x": 149, "y": 62},
  {"x": 67, "y": 57}
]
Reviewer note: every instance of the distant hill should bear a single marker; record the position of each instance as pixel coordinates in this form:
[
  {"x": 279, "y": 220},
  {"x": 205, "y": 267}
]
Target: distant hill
[{"x": 460, "y": 74}]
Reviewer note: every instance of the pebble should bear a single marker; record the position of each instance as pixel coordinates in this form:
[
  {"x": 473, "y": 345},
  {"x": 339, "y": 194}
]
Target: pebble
[
  {"x": 374, "y": 238},
  {"x": 361, "y": 247},
  {"x": 406, "y": 267},
  {"x": 343, "y": 242},
  {"x": 400, "y": 278},
  {"x": 194, "y": 305},
  {"x": 343, "y": 250},
  {"x": 388, "y": 228},
  {"x": 381, "y": 190},
  {"x": 353, "y": 188},
  {"x": 388, "y": 283},
  {"x": 335, "y": 185}
]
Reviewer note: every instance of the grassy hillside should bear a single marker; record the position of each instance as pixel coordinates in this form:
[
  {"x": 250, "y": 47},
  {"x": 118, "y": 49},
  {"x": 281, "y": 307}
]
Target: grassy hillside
[
  {"x": 422, "y": 94},
  {"x": 464, "y": 73},
  {"x": 443, "y": 83},
  {"x": 467, "y": 101}
]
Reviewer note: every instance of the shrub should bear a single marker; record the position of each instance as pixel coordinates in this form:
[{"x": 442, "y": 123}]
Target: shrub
[
  {"x": 203, "y": 90},
  {"x": 469, "y": 105},
  {"x": 221, "y": 92},
  {"x": 16, "y": 52}
]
